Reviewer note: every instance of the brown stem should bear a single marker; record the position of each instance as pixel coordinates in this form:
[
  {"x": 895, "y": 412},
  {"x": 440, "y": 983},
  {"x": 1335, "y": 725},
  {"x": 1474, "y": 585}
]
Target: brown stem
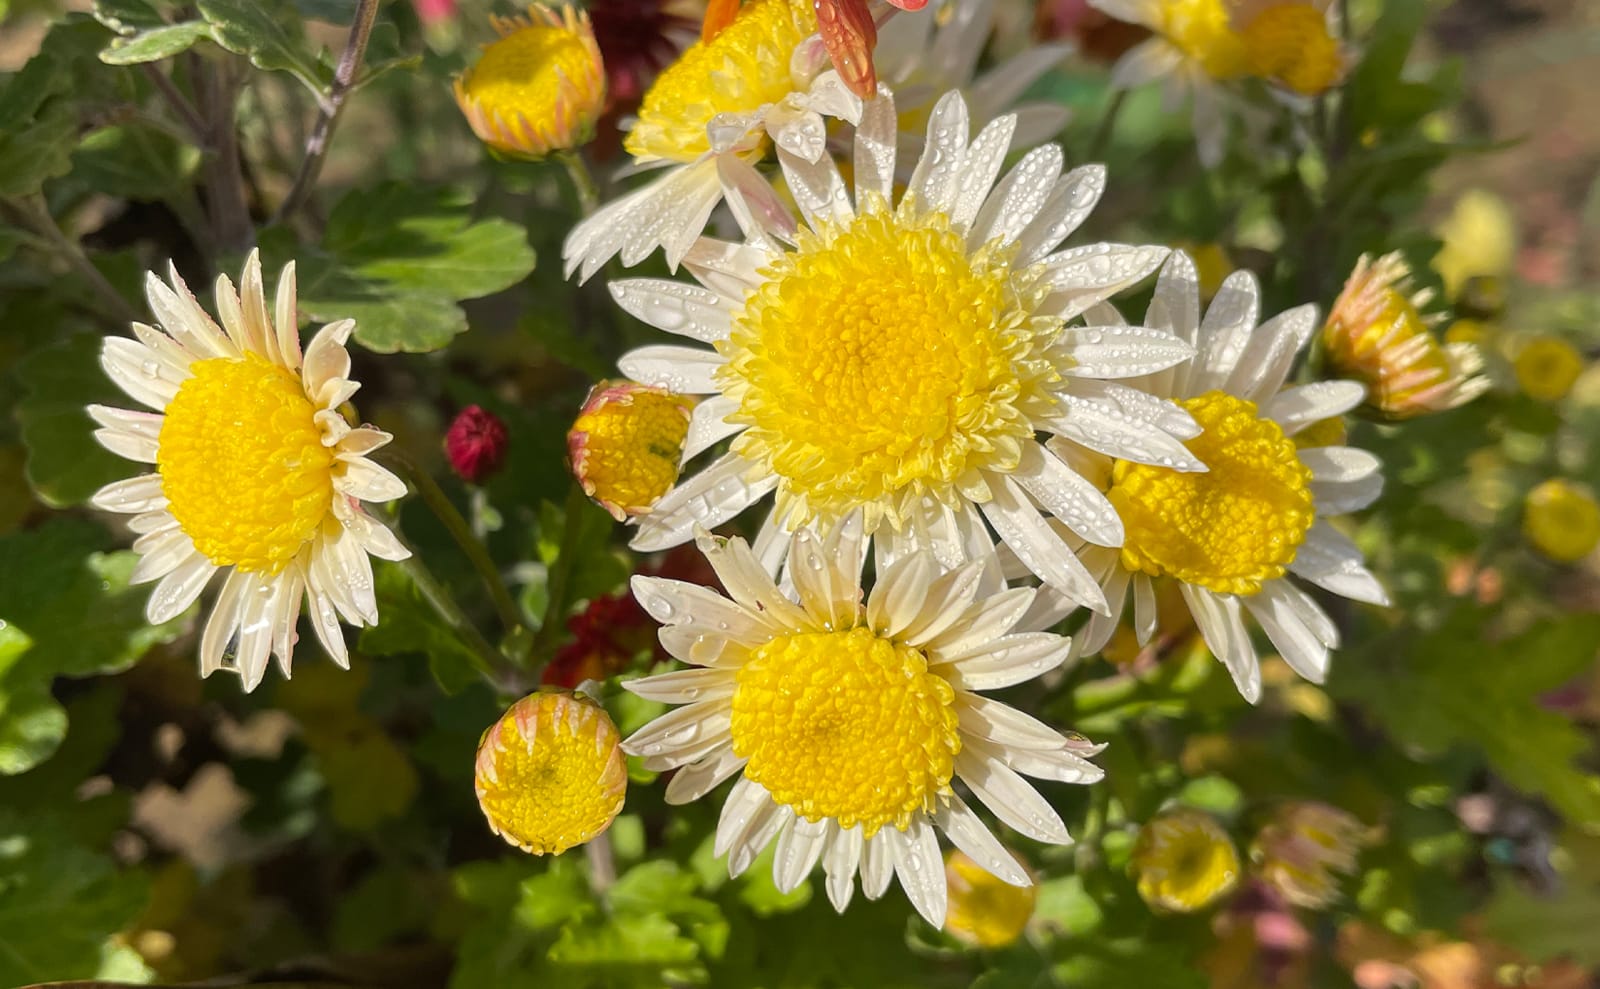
[{"x": 217, "y": 91}]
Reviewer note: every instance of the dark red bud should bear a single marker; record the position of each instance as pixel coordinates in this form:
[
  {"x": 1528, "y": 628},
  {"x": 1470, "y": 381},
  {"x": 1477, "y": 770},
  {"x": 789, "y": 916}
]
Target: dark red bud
[{"x": 476, "y": 444}]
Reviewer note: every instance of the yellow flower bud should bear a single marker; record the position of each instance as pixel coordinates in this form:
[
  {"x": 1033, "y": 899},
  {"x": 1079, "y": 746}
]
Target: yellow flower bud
[
  {"x": 538, "y": 89},
  {"x": 1290, "y": 43},
  {"x": 1305, "y": 848},
  {"x": 550, "y": 772},
  {"x": 1184, "y": 861},
  {"x": 985, "y": 911},
  {"x": 1480, "y": 240},
  {"x": 1547, "y": 367},
  {"x": 626, "y": 446},
  {"x": 1561, "y": 520}
]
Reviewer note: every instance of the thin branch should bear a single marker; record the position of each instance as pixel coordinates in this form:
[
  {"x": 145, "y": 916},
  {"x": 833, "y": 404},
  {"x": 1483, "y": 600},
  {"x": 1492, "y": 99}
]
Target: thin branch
[
  {"x": 217, "y": 90},
  {"x": 36, "y": 217},
  {"x": 180, "y": 104},
  {"x": 1108, "y": 122},
  {"x": 355, "y": 49}
]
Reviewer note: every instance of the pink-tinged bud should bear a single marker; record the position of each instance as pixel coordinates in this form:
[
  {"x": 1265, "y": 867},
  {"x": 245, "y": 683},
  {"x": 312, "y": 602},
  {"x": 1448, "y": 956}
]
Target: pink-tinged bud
[
  {"x": 1305, "y": 849},
  {"x": 626, "y": 446},
  {"x": 476, "y": 444},
  {"x": 431, "y": 12}
]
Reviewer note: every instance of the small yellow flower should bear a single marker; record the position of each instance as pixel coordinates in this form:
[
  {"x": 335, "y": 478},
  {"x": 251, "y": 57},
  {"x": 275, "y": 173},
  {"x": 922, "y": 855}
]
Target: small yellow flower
[
  {"x": 985, "y": 911},
  {"x": 550, "y": 772},
  {"x": 1561, "y": 520},
  {"x": 538, "y": 89},
  {"x": 1376, "y": 333},
  {"x": 1184, "y": 861},
  {"x": 1473, "y": 331},
  {"x": 1304, "y": 849},
  {"x": 626, "y": 446},
  {"x": 1290, "y": 43},
  {"x": 1547, "y": 367},
  {"x": 1212, "y": 263},
  {"x": 1480, "y": 239}
]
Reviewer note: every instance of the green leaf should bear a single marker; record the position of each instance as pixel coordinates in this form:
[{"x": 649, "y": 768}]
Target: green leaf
[
  {"x": 65, "y": 463},
  {"x": 407, "y": 623},
  {"x": 37, "y": 151},
  {"x": 129, "y": 17},
  {"x": 59, "y": 901},
  {"x": 135, "y": 162},
  {"x": 155, "y": 44},
  {"x": 1554, "y": 926},
  {"x": 32, "y": 724},
  {"x": 270, "y": 34},
  {"x": 397, "y": 258}
]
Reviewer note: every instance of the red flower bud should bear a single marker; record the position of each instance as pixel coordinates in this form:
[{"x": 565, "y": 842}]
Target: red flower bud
[{"x": 475, "y": 444}]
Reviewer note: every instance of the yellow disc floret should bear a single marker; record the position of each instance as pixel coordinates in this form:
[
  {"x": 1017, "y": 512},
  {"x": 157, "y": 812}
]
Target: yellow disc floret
[
  {"x": 846, "y": 725},
  {"x": 745, "y": 66},
  {"x": 1562, "y": 520},
  {"x": 880, "y": 362},
  {"x": 1547, "y": 367},
  {"x": 985, "y": 910},
  {"x": 626, "y": 445},
  {"x": 1290, "y": 44},
  {"x": 1204, "y": 31},
  {"x": 1184, "y": 861},
  {"x": 1231, "y": 527},
  {"x": 242, "y": 463},
  {"x": 550, "y": 773},
  {"x": 540, "y": 88}
]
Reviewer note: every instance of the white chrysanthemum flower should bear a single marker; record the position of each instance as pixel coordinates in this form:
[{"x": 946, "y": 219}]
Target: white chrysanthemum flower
[
  {"x": 1200, "y": 47},
  {"x": 849, "y": 726},
  {"x": 257, "y": 472},
  {"x": 706, "y": 120},
  {"x": 901, "y": 360},
  {"x": 1232, "y": 536}
]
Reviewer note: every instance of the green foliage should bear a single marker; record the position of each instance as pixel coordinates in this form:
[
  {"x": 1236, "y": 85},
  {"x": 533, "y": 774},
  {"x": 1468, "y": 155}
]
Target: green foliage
[{"x": 65, "y": 464}]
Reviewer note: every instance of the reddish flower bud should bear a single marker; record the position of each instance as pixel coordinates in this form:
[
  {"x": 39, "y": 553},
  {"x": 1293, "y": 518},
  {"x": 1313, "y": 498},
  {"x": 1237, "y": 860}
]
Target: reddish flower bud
[{"x": 476, "y": 444}]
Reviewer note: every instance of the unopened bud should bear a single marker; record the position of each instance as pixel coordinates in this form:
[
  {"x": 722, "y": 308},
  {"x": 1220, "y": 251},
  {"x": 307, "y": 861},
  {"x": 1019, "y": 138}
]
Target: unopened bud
[
  {"x": 1184, "y": 861},
  {"x": 626, "y": 446},
  {"x": 476, "y": 444}
]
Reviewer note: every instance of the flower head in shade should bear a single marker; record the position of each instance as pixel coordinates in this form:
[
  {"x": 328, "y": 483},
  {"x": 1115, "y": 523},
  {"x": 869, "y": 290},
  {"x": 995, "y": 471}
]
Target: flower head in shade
[
  {"x": 849, "y": 726},
  {"x": 538, "y": 89},
  {"x": 1234, "y": 536},
  {"x": 1377, "y": 335},
  {"x": 901, "y": 360},
  {"x": 985, "y": 911},
  {"x": 705, "y": 121},
  {"x": 1547, "y": 367},
  {"x": 550, "y": 772},
  {"x": 1202, "y": 46},
  {"x": 476, "y": 444},
  {"x": 1184, "y": 861},
  {"x": 1561, "y": 520},
  {"x": 626, "y": 446},
  {"x": 1304, "y": 849},
  {"x": 257, "y": 471}
]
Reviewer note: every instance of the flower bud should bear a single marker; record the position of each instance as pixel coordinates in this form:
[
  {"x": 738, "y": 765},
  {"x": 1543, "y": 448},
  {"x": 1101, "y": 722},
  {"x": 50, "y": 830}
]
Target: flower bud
[
  {"x": 984, "y": 910},
  {"x": 1547, "y": 367},
  {"x": 626, "y": 446},
  {"x": 1561, "y": 520},
  {"x": 1304, "y": 849},
  {"x": 538, "y": 89},
  {"x": 475, "y": 444},
  {"x": 1376, "y": 333},
  {"x": 550, "y": 772},
  {"x": 1184, "y": 861}
]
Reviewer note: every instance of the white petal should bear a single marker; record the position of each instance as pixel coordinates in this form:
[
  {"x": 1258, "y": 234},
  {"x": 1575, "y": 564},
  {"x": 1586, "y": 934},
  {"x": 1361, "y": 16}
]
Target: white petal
[
  {"x": 1010, "y": 798},
  {"x": 183, "y": 318},
  {"x": 1225, "y": 332},
  {"x": 1344, "y": 497},
  {"x": 1121, "y": 351},
  {"x": 747, "y": 582},
  {"x": 799, "y": 848},
  {"x": 817, "y": 189},
  {"x": 1064, "y": 493},
  {"x": 668, "y": 213},
  {"x": 1296, "y": 408},
  {"x": 1146, "y": 615},
  {"x": 1151, "y": 60},
  {"x": 877, "y": 864},
  {"x": 1025, "y": 531},
  {"x": 679, "y": 728},
  {"x": 253, "y": 301},
  {"x": 697, "y": 779},
  {"x": 179, "y": 589},
  {"x": 325, "y": 622},
  {"x": 983, "y": 624},
  {"x": 676, "y": 602},
  {"x": 1002, "y": 86},
  {"x": 708, "y": 425},
  {"x": 709, "y": 498},
  {"x": 1297, "y": 644},
  {"x": 677, "y": 307},
  {"x": 969, "y": 834},
  {"x": 1330, "y": 560},
  {"x": 1070, "y": 203},
  {"x": 140, "y": 372},
  {"x": 813, "y": 579},
  {"x": 946, "y": 602},
  {"x": 1272, "y": 353},
  {"x": 840, "y": 861},
  {"x": 1018, "y": 198},
  {"x": 683, "y": 686},
  {"x": 900, "y": 593},
  {"x": 1059, "y": 764},
  {"x": 921, "y": 870},
  {"x": 224, "y": 620},
  {"x": 875, "y": 150},
  {"x": 1106, "y": 429},
  {"x": 326, "y": 359},
  {"x": 287, "y": 320},
  {"x": 131, "y": 496},
  {"x": 160, "y": 553},
  {"x": 1013, "y": 659},
  {"x": 685, "y": 370},
  {"x": 1339, "y": 464},
  {"x": 932, "y": 181},
  {"x": 256, "y": 625},
  {"x": 986, "y": 718},
  {"x": 1082, "y": 277},
  {"x": 979, "y": 167},
  {"x": 1221, "y": 625},
  {"x": 364, "y": 479}
]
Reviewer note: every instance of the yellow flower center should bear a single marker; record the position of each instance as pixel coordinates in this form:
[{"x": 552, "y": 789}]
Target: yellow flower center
[
  {"x": 242, "y": 463},
  {"x": 1203, "y": 30},
  {"x": 550, "y": 773},
  {"x": 743, "y": 67},
  {"x": 985, "y": 910},
  {"x": 1229, "y": 528},
  {"x": 1290, "y": 43},
  {"x": 880, "y": 362},
  {"x": 545, "y": 72},
  {"x": 1547, "y": 368},
  {"x": 627, "y": 444},
  {"x": 1562, "y": 521},
  {"x": 1184, "y": 861},
  {"x": 846, "y": 725}
]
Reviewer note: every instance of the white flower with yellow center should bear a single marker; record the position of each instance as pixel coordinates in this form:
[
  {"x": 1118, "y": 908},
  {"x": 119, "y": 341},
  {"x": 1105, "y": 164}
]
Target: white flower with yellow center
[
  {"x": 1202, "y": 46},
  {"x": 707, "y": 118},
  {"x": 257, "y": 471},
  {"x": 901, "y": 360},
  {"x": 849, "y": 727},
  {"x": 1232, "y": 536}
]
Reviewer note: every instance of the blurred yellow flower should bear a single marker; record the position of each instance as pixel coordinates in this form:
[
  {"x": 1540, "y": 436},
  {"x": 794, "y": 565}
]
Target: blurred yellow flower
[
  {"x": 1184, "y": 861},
  {"x": 1547, "y": 367},
  {"x": 1304, "y": 849},
  {"x": 1291, "y": 43},
  {"x": 538, "y": 89},
  {"x": 1480, "y": 240},
  {"x": 985, "y": 911},
  {"x": 1561, "y": 520},
  {"x": 1376, "y": 334},
  {"x": 626, "y": 446},
  {"x": 1473, "y": 331},
  {"x": 550, "y": 772}
]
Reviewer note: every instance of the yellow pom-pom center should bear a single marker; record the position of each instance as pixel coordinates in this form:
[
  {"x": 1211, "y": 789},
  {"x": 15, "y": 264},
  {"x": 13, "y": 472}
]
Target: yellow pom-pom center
[
  {"x": 242, "y": 463},
  {"x": 1290, "y": 43},
  {"x": 627, "y": 446},
  {"x": 1203, "y": 30}
]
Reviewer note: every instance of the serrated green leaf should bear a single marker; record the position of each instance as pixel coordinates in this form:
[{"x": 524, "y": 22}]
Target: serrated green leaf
[
  {"x": 155, "y": 44},
  {"x": 269, "y": 33},
  {"x": 59, "y": 901},
  {"x": 65, "y": 463},
  {"x": 407, "y": 623},
  {"x": 37, "y": 151}
]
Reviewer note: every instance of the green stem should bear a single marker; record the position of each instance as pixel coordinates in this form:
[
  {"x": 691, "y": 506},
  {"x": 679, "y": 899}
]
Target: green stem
[
  {"x": 492, "y": 666},
  {"x": 1108, "y": 123},
  {"x": 461, "y": 531},
  {"x": 583, "y": 183},
  {"x": 37, "y": 218},
  {"x": 560, "y": 576}
]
